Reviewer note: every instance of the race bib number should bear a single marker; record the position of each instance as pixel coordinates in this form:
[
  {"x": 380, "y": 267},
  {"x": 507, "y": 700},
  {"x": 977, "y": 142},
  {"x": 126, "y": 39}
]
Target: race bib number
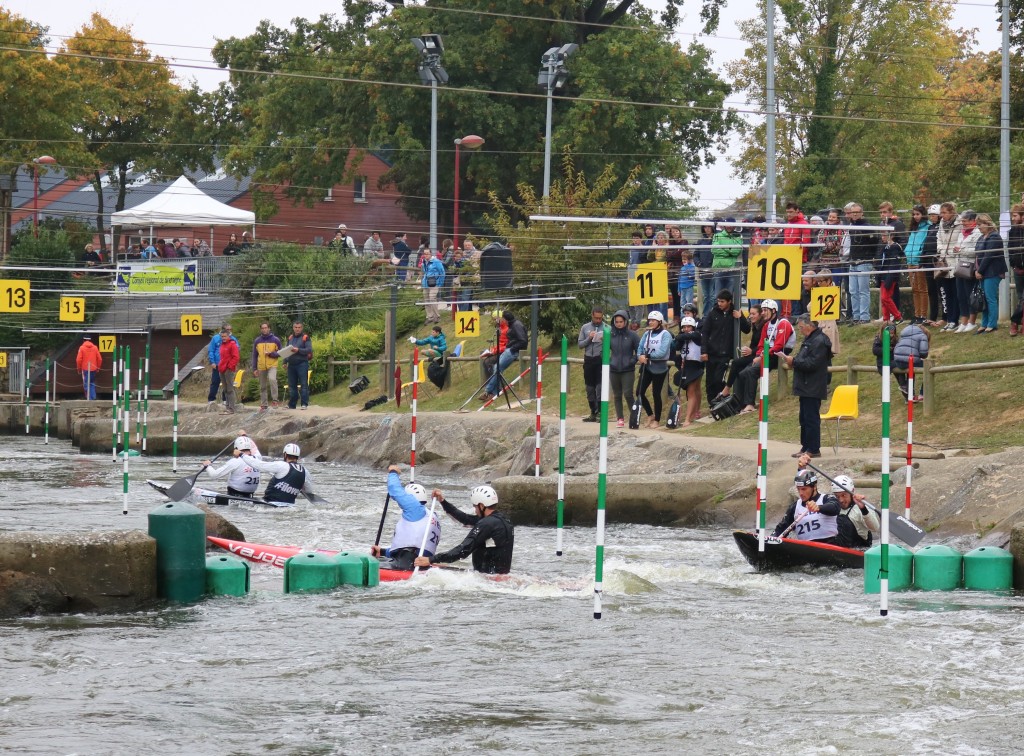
[
  {"x": 825, "y": 303},
  {"x": 804, "y": 529},
  {"x": 774, "y": 271}
]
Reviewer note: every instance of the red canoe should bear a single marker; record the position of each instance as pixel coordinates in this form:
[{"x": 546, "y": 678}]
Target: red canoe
[{"x": 263, "y": 553}]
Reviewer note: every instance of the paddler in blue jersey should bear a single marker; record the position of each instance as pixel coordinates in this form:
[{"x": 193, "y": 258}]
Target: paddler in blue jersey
[
  {"x": 813, "y": 516},
  {"x": 289, "y": 477},
  {"x": 490, "y": 541},
  {"x": 416, "y": 521}
]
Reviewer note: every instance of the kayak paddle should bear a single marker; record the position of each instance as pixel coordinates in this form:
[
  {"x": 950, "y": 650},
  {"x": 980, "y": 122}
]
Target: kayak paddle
[
  {"x": 383, "y": 515},
  {"x": 182, "y": 487},
  {"x": 426, "y": 533}
]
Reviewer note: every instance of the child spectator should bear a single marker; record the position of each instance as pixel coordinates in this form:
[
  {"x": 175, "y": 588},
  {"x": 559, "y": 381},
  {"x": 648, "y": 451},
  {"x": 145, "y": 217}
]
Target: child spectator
[{"x": 687, "y": 279}]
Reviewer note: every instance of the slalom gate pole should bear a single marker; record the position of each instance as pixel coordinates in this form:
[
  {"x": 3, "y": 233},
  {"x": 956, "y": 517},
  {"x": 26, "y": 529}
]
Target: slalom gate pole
[
  {"x": 602, "y": 471},
  {"x": 122, "y": 373},
  {"x": 536, "y": 445},
  {"x": 46, "y": 421},
  {"x": 113, "y": 406},
  {"x": 883, "y": 573},
  {"x": 910, "y": 436},
  {"x": 126, "y": 444},
  {"x": 415, "y": 396},
  {"x": 762, "y": 442},
  {"x": 174, "y": 418},
  {"x": 138, "y": 407},
  {"x": 562, "y": 394},
  {"x": 28, "y": 392},
  {"x": 145, "y": 404}
]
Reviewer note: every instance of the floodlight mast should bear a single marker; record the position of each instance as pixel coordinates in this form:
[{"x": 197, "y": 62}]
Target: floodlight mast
[
  {"x": 553, "y": 75},
  {"x": 430, "y": 47}
]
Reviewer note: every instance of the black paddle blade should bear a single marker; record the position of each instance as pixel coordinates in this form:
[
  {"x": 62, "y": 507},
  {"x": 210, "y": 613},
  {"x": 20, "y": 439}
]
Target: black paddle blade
[
  {"x": 180, "y": 490},
  {"x": 905, "y": 530}
]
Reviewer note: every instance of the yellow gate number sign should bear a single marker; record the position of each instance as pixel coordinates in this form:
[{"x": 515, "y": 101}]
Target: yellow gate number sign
[
  {"x": 191, "y": 325},
  {"x": 825, "y": 303},
  {"x": 648, "y": 284},
  {"x": 3, "y": 360},
  {"x": 467, "y": 324},
  {"x": 774, "y": 271},
  {"x": 72, "y": 309},
  {"x": 107, "y": 343},
  {"x": 14, "y": 296}
]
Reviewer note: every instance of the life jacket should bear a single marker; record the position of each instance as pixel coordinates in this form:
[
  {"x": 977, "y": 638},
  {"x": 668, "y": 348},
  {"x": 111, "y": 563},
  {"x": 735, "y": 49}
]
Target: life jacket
[
  {"x": 813, "y": 526},
  {"x": 287, "y": 488},
  {"x": 410, "y": 534}
]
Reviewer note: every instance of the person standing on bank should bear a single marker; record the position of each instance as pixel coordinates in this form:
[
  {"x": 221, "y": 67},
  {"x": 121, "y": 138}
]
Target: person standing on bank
[
  {"x": 227, "y": 364},
  {"x": 810, "y": 382},
  {"x": 591, "y": 341},
  {"x": 432, "y": 282},
  {"x": 89, "y": 361},
  {"x": 416, "y": 521},
  {"x": 515, "y": 340},
  {"x": 653, "y": 352},
  {"x": 719, "y": 331},
  {"x": 213, "y": 354},
  {"x": 490, "y": 541},
  {"x": 298, "y": 366},
  {"x": 289, "y": 477},
  {"x": 264, "y": 363},
  {"x": 624, "y": 342}
]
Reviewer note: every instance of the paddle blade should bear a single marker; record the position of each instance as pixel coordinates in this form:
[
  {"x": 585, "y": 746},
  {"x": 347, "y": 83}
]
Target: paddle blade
[
  {"x": 905, "y": 530},
  {"x": 180, "y": 490}
]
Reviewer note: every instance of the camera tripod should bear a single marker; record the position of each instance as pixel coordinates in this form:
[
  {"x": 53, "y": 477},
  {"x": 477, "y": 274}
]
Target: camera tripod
[{"x": 503, "y": 387}]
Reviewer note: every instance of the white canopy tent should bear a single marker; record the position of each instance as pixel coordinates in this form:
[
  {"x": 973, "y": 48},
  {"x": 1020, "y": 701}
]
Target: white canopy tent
[{"x": 183, "y": 204}]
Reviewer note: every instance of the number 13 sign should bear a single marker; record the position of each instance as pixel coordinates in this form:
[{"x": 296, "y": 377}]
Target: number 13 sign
[{"x": 774, "y": 271}]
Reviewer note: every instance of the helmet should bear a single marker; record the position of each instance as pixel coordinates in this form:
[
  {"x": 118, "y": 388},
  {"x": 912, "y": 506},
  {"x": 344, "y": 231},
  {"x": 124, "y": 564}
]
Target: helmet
[
  {"x": 842, "y": 484},
  {"x": 769, "y": 304},
  {"x": 485, "y": 495},
  {"x": 934, "y": 209},
  {"x": 243, "y": 443},
  {"x": 690, "y": 307},
  {"x": 806, "y": 478},
  {"x": 292, "y": 450},
  {"x": 415, "y": 489},
  {"x": 655, "y": 315},
  {"x": 688, "y": 321}
]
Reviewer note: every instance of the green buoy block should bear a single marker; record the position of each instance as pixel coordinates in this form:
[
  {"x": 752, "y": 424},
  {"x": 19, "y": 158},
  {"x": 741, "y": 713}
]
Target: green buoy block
[
  {"x": 131, "y": 453},
  {"x": 226, "y": 576},
  {"x": 938, "y": 568},
  {"x": 311, "y": 571},
  {"x": 180, "y": 533},
  {"x": 988, "y": 568},
  {"x": 901, "y": 562},
  {"x": 358, "y": 569}
]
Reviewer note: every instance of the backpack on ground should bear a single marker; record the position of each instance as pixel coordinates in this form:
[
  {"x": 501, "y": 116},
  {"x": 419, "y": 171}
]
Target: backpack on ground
[{"x": 723, "y": 407}]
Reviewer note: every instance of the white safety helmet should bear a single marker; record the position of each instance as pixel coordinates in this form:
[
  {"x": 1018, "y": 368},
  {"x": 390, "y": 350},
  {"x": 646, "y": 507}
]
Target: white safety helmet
[
  {"x": 415, "y": 489},
  {"x": 484, "y": 496},
  {"x": 842, "y": 484},
  {"x": 292, "y": 450},
  {"x": 243, "y": 443},
  {"x": 688, "y": 321},
  {"x": 655, "y": 315},
  {"x": 770, "y": 304}
]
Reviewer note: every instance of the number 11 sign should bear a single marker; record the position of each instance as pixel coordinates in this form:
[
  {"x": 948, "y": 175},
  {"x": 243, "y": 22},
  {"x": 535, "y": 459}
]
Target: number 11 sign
[{"x": 648, "y": 283}]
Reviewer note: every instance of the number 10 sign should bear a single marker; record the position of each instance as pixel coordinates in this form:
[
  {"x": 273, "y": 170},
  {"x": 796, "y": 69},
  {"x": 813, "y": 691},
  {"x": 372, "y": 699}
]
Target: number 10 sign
[{"x": 774, "y": 271}]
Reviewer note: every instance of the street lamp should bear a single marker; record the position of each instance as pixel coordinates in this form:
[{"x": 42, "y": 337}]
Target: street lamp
[
  {"x": 430, "y": 48},
  {"x": 36, "y": 162},
  {"x": 472, "y": 142},
  {"x": 553, "y": 75}
]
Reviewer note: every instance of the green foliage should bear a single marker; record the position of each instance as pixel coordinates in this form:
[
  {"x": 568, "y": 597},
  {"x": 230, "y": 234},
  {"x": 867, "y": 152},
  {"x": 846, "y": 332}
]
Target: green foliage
[{"x": 50, "y": 249}]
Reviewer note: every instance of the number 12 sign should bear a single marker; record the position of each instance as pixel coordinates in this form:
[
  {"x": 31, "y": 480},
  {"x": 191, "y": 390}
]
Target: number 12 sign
[
  {"x": 825, "y": 303},
  {"x": 648, "y": 283},
  {"x": 774, "y": 271}
]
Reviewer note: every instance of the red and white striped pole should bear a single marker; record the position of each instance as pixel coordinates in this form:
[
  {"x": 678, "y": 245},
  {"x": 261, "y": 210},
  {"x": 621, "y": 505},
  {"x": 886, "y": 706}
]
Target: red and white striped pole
[
  {"x": 415, "y": 394},
  {"x": 910, "y": 435},
  {"x": 536, "y": 445}
]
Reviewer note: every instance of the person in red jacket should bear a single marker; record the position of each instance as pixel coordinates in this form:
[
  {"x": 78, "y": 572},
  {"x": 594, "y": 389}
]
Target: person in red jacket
[
  {"x": 89, "y": 362},
  {"x": 799, "y": 237},
  {"x": 228, "y": 364}
]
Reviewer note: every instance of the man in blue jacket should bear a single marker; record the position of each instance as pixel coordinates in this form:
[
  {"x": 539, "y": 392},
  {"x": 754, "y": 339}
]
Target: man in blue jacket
[
  {"x": 298, "y": 366},
  {"x": 213, "y": 354}
]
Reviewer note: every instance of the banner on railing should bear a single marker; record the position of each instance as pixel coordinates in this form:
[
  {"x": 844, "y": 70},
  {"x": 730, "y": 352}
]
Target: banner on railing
[{"x": 157, "y": 279}]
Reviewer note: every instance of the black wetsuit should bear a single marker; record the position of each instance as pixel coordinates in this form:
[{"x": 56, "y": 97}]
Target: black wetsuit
[{"x": 490, "y": 542}]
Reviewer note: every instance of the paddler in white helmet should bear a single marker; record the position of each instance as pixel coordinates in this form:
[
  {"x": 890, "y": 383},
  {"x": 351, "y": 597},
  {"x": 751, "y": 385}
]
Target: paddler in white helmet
[
  {"x": 289, "y": 477},
  {"x": 491, "y": 539},
  {"x": 415, "y": 521},
  {"x": 243, "y": 478},
  {"x": 813, "y": 516},
  {"x": 857, "y": 521}
]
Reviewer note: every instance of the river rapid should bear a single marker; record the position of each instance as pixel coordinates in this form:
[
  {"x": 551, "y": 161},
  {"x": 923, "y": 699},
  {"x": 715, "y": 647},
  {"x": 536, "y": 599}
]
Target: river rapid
[{"x": 695, "y": 652}]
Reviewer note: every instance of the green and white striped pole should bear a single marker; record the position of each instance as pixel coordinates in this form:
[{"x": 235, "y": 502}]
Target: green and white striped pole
[
  {"x": 562, "y": 395},
  {"x": 28, "y": 392},
  {"x": 138, "y": 407},
  {"x": 762, "y": 442},
  {"x": 174, "y": 426},
  {"x": 883, "y": 574},
  {"x": 113, "y": 404},
  {"x": 145, "y": 404},
  {"x": 602, "y": 470},
  {"x": 46, "y": 417},
  {"x": 126, "y": 443}
]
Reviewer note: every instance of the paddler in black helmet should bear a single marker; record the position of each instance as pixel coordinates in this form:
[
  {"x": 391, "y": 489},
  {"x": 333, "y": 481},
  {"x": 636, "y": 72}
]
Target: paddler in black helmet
[
  {"x": 490, "y": 541},
  {"x": 814, "y": 515},
  {"x": 290, "y": 478}
]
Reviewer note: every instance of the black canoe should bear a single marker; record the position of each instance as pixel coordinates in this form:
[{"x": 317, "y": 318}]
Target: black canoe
[
  {"x": 787, "y": 553},
  {"x": 221, "y": 499}
]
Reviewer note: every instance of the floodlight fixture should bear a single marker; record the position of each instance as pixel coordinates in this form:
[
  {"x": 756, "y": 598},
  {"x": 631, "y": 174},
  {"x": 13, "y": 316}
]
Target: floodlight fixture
[{"x": 430, "y": 47}]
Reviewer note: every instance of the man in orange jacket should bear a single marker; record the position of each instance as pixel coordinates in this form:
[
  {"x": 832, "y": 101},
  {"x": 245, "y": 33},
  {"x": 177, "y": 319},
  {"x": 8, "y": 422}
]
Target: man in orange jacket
[{"x": 89, "y": 362}]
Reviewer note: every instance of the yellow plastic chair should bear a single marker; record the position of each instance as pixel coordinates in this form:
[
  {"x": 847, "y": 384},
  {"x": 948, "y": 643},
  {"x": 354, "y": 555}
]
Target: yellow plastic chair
[
  {"x": 844, "y": 405},
  {"x": 238, "y": 378},
  {"x": 421, "y": 379}
]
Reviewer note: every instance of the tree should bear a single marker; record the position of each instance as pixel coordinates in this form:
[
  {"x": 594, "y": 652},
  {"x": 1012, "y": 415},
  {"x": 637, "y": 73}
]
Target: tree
[
  {"x": 134, "y": 111},
  {"x": 40, "y": 104},
  {"x": 852, "y": 95},
  {"x": 635, "y": 97}
]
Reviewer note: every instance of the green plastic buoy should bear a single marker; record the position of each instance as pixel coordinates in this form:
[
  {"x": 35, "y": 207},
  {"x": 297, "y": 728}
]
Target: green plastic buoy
[
  {"x": 179, "y": 529},
  {"x": 901, "y": 562},
  {"x": 938, "y": 568},
  {"x": 226, "y": 576},
  {"x": 358, "y": 569},
  {"x": 311, "y": 571},
  {"x": 988, "y": 568},
  {"x": 131, "y": 453}
]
